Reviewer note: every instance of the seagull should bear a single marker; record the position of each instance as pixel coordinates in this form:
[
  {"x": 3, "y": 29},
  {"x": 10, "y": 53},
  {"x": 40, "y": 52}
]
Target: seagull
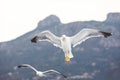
[
  {"x": 65, "y": 42},
  {"x": 40, "y": 73}
]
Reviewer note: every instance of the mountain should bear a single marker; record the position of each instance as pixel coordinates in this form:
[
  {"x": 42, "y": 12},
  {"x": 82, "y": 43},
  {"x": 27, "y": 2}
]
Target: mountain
[{"x": 95, "y": 59}]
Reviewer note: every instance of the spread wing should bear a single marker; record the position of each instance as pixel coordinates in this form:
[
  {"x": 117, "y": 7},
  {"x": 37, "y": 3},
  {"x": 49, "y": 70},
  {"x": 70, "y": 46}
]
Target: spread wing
[
  {"x": 53, "y": 71},
  {"x": 47, "y": 36},
  {"x": 85, "y": 34},
  {"x": 27, "y": 66}
]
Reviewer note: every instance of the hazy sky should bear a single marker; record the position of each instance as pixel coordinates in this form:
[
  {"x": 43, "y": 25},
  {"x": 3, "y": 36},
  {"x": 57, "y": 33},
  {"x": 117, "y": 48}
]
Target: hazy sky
[{"x": 18, "y": 17}]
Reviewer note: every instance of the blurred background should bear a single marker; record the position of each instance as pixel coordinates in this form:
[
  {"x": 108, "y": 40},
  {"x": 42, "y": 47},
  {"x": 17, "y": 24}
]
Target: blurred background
[{"x": 95, "y": 59}]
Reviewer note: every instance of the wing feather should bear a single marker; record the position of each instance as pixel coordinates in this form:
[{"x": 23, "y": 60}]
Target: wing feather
[
  {"x": 47, "y": 36},
  {"x": 85, "y": 34},
  {"x": 27, "y": 66},
  {"x": 54, "y": 71}
]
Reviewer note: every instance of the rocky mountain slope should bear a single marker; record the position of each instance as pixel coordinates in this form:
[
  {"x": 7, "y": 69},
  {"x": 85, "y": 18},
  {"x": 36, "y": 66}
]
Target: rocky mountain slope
[{"x": 95, "y": 59}]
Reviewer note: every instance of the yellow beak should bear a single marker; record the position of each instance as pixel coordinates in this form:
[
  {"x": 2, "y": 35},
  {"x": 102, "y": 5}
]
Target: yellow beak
[{"x": 67, "y": 59}]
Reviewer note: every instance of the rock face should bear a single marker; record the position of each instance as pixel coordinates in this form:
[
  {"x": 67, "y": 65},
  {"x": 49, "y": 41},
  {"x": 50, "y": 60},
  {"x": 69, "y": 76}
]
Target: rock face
[
  {"x": 113, "y": 17},
  {"x": 49, "y": 21},
  {"x": 95, "y": 59}
]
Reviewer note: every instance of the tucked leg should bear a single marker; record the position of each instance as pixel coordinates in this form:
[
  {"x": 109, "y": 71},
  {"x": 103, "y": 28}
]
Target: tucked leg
[{"x": 67, "y": 56}]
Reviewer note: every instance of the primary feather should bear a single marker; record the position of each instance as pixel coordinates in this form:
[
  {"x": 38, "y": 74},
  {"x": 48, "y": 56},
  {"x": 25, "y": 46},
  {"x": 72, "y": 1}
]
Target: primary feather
[
  {"x": 85, "y": 34},
  {"x": 48, "y": 36}
]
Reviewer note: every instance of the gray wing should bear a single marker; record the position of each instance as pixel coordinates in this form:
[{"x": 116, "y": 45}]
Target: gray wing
[
  {"x": 27, "y": 66},
  {"x": 85, "y": 34},
  {"x": 54, "y": 71},
  {"x": 47, "y": 36}
]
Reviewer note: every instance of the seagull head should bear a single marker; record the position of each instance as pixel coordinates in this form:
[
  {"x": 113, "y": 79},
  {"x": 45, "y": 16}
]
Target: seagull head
[{"x": 63, "y": 37}]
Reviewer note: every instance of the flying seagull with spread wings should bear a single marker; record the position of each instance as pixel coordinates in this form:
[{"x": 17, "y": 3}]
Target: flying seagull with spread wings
[
  {"x": 65, "y": 42},
  {"x": 40, "y": 73}
]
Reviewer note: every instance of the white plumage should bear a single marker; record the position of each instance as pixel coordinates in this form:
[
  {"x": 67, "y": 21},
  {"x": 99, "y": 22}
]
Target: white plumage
[
  {"x": 65, "y": 42},
  {"x": 40, "y": 73}
]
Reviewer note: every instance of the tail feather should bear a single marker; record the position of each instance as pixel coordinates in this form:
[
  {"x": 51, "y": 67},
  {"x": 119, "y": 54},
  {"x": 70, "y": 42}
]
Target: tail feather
[
  {"x": 71, "y": 55},
  {"x": 106, "y": 34}
]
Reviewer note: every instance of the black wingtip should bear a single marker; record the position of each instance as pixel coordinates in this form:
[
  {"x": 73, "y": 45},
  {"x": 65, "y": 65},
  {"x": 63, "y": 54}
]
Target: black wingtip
[
  {"x": 65, "y": 76},
  {"x": 20, "y": 66},
  {"x": 34, "y": 40},
  {"x": 106, "y": 34}
]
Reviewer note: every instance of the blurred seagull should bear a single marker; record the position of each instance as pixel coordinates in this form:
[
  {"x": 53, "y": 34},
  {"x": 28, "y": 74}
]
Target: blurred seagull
[
  {"x": 64, "y": 42},
  {"x": 40, "y": 73}
]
